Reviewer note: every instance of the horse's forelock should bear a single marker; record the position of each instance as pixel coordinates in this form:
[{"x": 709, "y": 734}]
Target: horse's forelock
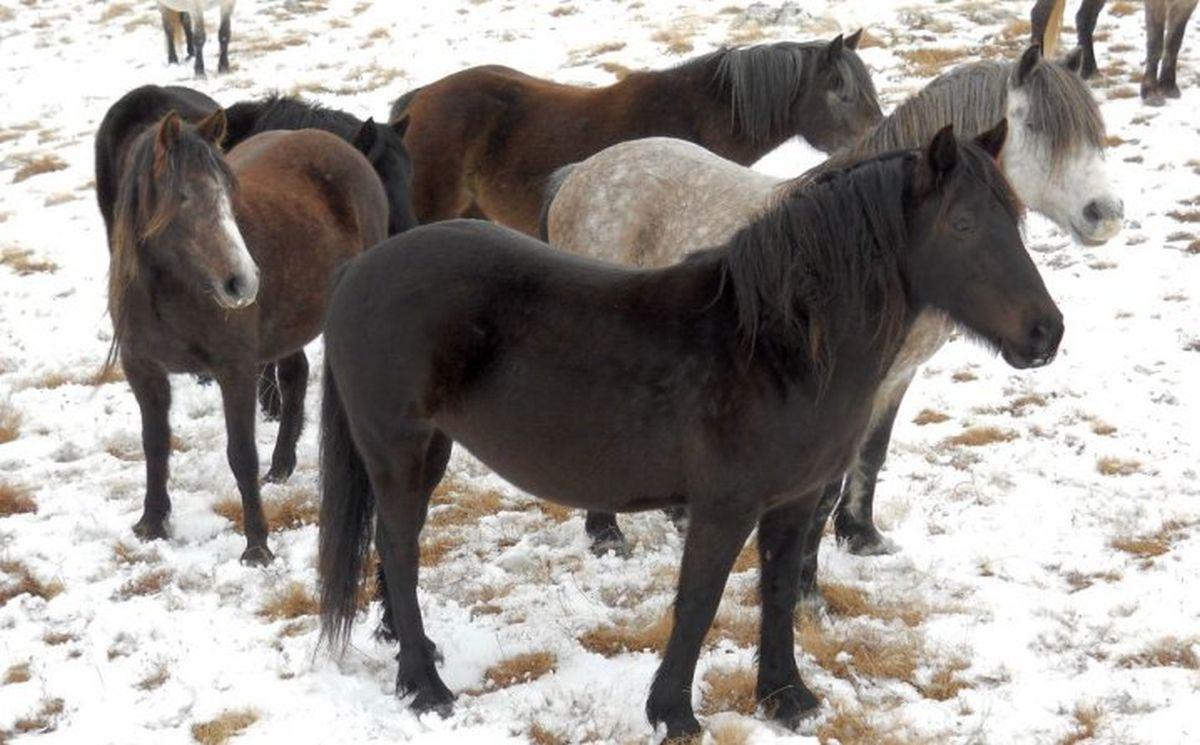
[{"x": 1060, "y": 107}]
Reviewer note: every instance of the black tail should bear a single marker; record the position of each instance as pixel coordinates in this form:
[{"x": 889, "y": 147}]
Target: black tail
[
  {"x": 347, "y": 505},
  {"x": 400, "y": 106},
  {"x": 553, "y": 184}
]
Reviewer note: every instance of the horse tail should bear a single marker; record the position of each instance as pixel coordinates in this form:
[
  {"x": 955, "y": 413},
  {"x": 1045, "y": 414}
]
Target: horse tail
[
  {"x": 347, "y": 506},
  {"x": 400, "y": 106},
  {"x": 553, "y": 184}
]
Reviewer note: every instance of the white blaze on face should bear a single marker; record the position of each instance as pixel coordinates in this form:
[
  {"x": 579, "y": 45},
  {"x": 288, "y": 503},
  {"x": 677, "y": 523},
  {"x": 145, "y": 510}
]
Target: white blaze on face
[
  {"x": 241, "y": 287},
  {"x": 1076, "y": 193}
]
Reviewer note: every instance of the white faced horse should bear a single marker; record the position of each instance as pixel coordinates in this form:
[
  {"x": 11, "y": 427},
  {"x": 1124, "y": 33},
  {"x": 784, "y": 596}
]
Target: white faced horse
[
  {"x": 191, "y": 17},
  {"x": 651, "y": 202}
]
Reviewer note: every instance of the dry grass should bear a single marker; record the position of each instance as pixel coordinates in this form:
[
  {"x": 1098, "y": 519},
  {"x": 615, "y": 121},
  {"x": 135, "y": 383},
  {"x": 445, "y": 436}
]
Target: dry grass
[
  {"x": 10, "y": 422},
  {"x": 974, "y": 437},
  {"x": 1087, "y": 724},
  {"x": 1167, "y": 652},
  {"x": 148, "y": 583},
  {"x": 54, "y": 379},
  {"x": 292, "y": 601},
  {"x": 1104, "y": 429},
  {"x": 1113, "y": 466},
  {"x": 1149, "y": 545},
  {"x": 564, "y": 10},
  {"x": 748, "y": 558},
  {"x": 1123, "y": 92},
  {"x": 728, "y": 688},
  {"x": 23, "y": 263},
  {"x": 676, "y": 40},
  {"x": 19, "y": 581},
  {"x": 730, "y": 732},
  {"x": 227, "y": 725},
  {"x": 616, "y": 69},
  {"x": 15, "y": 499},
  {"x": 946, "y": 681},
  {"x": 737, "y": 627},
  {"x": 864, "y": 652},
  {"x": 931, "y": 61},
  {"x": 929, "y": 416},
  {"x": 16, "y": 674},
  {"x": 852, "y": 602},
  {"x": 858, "y": 727},
  {"x": 1124, "y": 8},
  {"x": 155, "y": 679},
  {"x": 112, "y": 10},
  {"x": 540, "y": 735},
  {"x": 36, "y": 165},
  {"x": 57, "y": 638},
  {"x": 44, "y": 720},
  {"x": 296, "y": 507},
  {"x": 521, "y": 668},
  {"x": 1185, "y": 215},
  {"x": 964, "y": 376},
  {"x": 435, "y": 550}
]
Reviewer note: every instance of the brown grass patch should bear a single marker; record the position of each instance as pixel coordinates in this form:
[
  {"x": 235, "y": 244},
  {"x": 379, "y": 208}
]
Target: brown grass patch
[
  {"x": 1166, "y": 652},
  {"x": 730, "y": 732},
  {"x": 964, "y": 376},
  {"x": 112, "y": 10},
  {"x": 1113, "y": 466},
  {"x": 606, "y": 48},
  {"x": 929, "y": 416},
  {"x": 1151, "y": 544},
  {"x": 19, "y": 581},
  {"x": 748, "y": 558},
  {"x": 290, "y": 602},
  {"x": 518, "y": 669},
  {"x": 435, "y": 550},
  {"x": 1087, "y": 724},
  {"x": 737, "y": 627},
  {"x": 10, "y": 422},
  {"x": 148, "y": 583},
  {"x": 16, "y": 674},
  {"x": 23, "y": 263},
  {"x": 44, "y": 720},
  {"x": 555, "y": 512},
  {"x": 946, "y": 681},
  {"x": 564, "y": 10},
  {"x": 220, "y": 730},
  {"x": 728, "y": 688},
  {"x": 1018, "y": 405},
  {"x": 1102, "y": 428},
  {"x": 1184, "y": 215},
  {"x": 155, "y": 679},
  {"x": 36, "y": 165},
  {"x": 616, "y": 69},
  {"x": 15, "y": 499},
  {"x": 864, "y": 651},
  {"x": 296, "y": 507},
  {"x": 1124, "y": 8},
  {"x": 1123, "y": 92},
  {"x": 974, "y": 437},
  {"x": 857, "y": 727},
  {"x": 540, "y": 735},
  {"x": 853, "y": 602},
  {"x": 676, "y": 40},
  {"x": 57, "y": 638},
  {"x": 931, "y": 61},
  {"x": 455, "y": 502}
]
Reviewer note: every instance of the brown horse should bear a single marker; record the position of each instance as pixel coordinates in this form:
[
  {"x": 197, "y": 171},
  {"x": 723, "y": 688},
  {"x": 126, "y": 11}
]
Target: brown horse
[
  {"x": 220, "y": 264},
  {"x": 485, "y": 140}
]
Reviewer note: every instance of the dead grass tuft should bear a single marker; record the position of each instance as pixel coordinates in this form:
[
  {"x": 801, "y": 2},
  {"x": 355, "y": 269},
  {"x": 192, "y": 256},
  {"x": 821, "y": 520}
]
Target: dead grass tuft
[
  {"x": 44, "y": 720},
  {"x": 1104, "y": 429},
  {"x": 36, "y": 165},
  {"x": 290, "y": 602},
  {"x": 676, "y": 40},
  {"x": 857, "y": 727},
  {"x": 148, "y": 583},
  {"x": 1087, "y": 724},
  {"x": 865, "y": 652},
  {"x": 1169, "y": 651},
  {"x": 853, "y": 602},
  {"x": 57, "y": 638},
  {"x": 18, "y": 580},
  {"x": 227, "y": 725},
  {"x": 929, "y": 416},
  {"x": 964, "y": 376},
  {"x": 730, "y": 732},
  {"x": 728, "y": 688},
  {"x": 1184, "y": 215},
  {"x": 931, "y": 61},
  {"x": 10, "y": 422},
  {"x": 155, "y": 679},
  {"x": 23, "y": 264},
  {"x": 564, "y": 10},
  {"x": 1124, "y": 8},
  {"x": 296, "y": 507},
  {"x": 1113, "y": 466},
  {"x": 974, "y": 437},
  {"x": 112, "y": 10},
  {"x": 455, "y": 503},
  {"x": 616, "y": 69},
  {"x": 17, "y": 674},
  {"x": 15, "y": 499},
  {"x": 540, "y": 735},
  {"x": 521, "y": 668},
  {"x": 946, "y": 681}
]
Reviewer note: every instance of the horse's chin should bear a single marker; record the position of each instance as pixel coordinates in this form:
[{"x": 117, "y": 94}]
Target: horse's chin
[
  {"x": 1023, "y": 361},
  {"x": 1093, "y": 239}
]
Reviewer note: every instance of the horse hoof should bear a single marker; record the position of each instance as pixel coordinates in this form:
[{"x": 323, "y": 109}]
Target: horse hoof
[
  {"x": 811, "y": 603},
  {"x": 790, "y": 705},
  {"x": 257, "y": 556},
  {"x": 684, "y": 731},
  {"x": 1171, "y": 91},
  {"x": 150, "y": 529},
  {"x": 437, "y": 699},
  {"x": 278, "y": 474},
  {"x": 617, "y": 544},
  {"x": 870, "y": 543}
]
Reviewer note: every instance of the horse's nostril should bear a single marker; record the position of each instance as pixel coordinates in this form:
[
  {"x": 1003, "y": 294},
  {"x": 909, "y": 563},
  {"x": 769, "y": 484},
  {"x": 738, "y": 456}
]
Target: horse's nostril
[
  {"x": 1091, "y": 211},
  {"x": 235, "y": 286}
]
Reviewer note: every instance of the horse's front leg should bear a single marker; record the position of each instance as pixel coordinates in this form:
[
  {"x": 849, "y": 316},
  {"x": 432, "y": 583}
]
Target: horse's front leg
[
  {"x": 854, "y": 521},
  {"x": 198, "y": 35},
  {"x": 809, "y": 595},
  {"x": 185, "y": 20},
  {"x": 152, "y": 390},
  {"x": 223, "y": 36},
  {"x": 1177, "y": 21},
  {"x": 781, "y": 537},
  {"x": 1085, "y": 27},
  {"x": 606, "y": 535},
  {"x": 716, "y": 533},
  {"x": 293, "y": 381},
  {"x": 237, "y": 393},
  {"x": 1156, "y": 20},
  {"x": 168, "y": 29}
]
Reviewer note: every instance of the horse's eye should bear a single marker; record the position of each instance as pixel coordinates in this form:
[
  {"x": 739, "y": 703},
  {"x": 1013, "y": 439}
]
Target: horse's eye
[{"x": 962, "y": 225}]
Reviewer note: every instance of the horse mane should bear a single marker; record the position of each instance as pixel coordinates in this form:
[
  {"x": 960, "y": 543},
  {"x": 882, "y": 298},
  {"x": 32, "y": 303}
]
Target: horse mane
[
  {"x": 149, "y": 194},
  {"x": 278, "y": 111},
  {"x": 762, "y": 82},
  {"x": 973, "y": 97}
]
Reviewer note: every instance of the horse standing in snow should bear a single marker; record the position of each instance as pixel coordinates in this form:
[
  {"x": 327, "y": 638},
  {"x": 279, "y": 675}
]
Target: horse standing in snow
[{"x": 192, "y": 20}]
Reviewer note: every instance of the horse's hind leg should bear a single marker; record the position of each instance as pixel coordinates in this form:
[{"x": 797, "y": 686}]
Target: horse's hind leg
[
  {"x": 1177, "y": 21},
  {"x": 292, "y": 374},
  {"x": 198, "y": 35},
  {"x": 185, "y": 20},
  {"x": 809, "y": 596},
  {"x": 237, "y": 394},
  {"x": 268, "y": 392},
  {"x": 1156, "y": 18},
  {"x": 152, "y": 390},
  {"x": 405, "y": 462},
  {"x": 169, "y": 29},
  {"x": 781, "y": 535},
  {"x": 223, "y": 36},
  {"x": 717, "y": 530},
  {"x": 606, "y": 535},
  {"x": 855, "y": 520},
  {"x": 1085, "y": 28}
]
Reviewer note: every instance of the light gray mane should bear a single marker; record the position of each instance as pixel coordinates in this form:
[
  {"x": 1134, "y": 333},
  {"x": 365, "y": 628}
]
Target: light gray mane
[{"x": 974, "y": 97}]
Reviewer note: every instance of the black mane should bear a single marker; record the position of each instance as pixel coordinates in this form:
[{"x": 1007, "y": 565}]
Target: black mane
[{"x": 277, "y": 111}]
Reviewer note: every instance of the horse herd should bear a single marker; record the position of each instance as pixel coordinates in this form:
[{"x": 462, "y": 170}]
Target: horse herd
[{"x": 688, "y": 334}]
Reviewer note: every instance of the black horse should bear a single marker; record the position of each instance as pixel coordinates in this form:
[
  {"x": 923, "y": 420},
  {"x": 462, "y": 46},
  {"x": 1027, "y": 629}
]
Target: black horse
[{"x": 738, "y": 383}]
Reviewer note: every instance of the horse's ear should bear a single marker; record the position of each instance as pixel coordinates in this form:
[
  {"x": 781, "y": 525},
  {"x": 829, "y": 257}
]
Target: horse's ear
[
  {"x": 834, "y": 49},
  {"x": 1074, "y": 60},
  {"x": 365, "y": 139},
  {"x": 400, "y": 126},
  {"x": 168, "y": 135},
  {"x": 212, "y": 127},
  {"x": 942, "y": 155},
  {"x": 1029, "y": 60},
  {"x": 992, "y": 141},
  {"x": 853, "y": 39}
]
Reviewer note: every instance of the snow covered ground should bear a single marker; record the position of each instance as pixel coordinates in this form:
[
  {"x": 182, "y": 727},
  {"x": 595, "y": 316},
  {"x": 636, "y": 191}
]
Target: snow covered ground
[{"x": 1047, "y": 587}]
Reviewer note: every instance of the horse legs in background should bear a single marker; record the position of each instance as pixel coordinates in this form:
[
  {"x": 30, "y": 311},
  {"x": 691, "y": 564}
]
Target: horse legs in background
[
  {"x": 809, "y": 595},
  {"x": 168, "y": 24},
  {"x": 237, "y": 394},
  {"x": 782, "y": 534},
  {"x": 1177, "y": 19},
  {"x": 854, "y": 520},
  {"x": 1156, "y": 19},
  {"x": 717, "y": 531},
  {"x": 1085, "y": 26},
  {"x": 223, "y": 37},
  {"x": 198, "y": 36},
  {"x": 152, "y": 390},
  {"x": 292, "y": 374},
  {"x": 606, "y": 535},
  {"x": 185, "y": 20},
  {"x": 268, "y": 392}
]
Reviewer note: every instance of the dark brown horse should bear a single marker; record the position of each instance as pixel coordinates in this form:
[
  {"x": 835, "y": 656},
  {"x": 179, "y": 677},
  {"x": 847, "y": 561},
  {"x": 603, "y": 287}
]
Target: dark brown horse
[
  {"x": 219, "y": 265},
  {"x": 484, "y": 141},
  {"x": 738, "y": 383}
]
